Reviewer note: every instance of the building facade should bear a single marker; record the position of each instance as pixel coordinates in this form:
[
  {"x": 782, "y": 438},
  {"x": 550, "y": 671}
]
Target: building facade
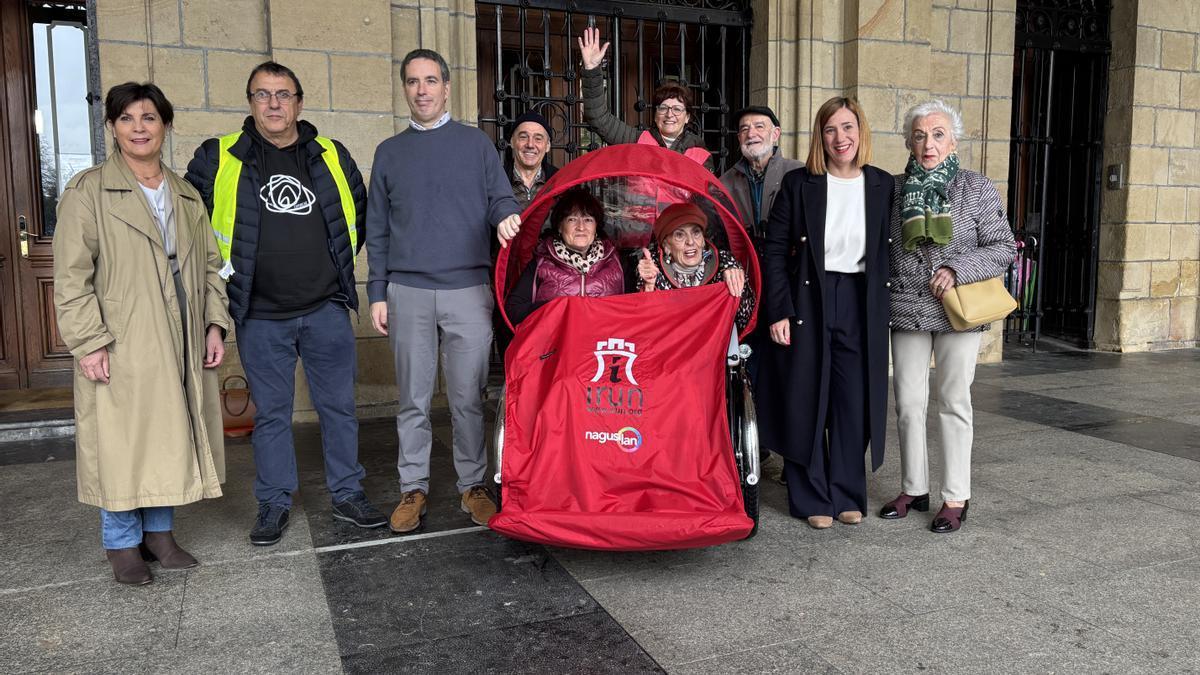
[{"x": 1083, "y": 112}]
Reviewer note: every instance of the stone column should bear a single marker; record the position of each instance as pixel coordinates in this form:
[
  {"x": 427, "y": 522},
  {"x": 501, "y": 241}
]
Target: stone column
[
  {"x": 795, "y": 52},
  {"x": 891, "y": 54},
  {"x": 1149, "y": 236},
  {"x": 447, "y": 27}
]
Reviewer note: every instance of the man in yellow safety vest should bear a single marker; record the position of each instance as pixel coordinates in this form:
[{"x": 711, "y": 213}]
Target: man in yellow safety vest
[{"x": 288, "y": 209}]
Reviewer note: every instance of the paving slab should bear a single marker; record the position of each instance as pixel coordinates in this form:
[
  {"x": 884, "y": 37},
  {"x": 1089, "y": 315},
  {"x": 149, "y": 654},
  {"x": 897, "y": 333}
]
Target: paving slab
[
  {"x": 1005, "y": 634},
  {"x": 792, "y": 656},
  {"x": 743, "y": 597},
  {"x": 584, "y": 643},
  {"x": 218, "y": 530},
  {"x": 925, "y": 573},
  {"x": 1117, "y": 533},
  {"x": 1169, "y": 395},
  {"x": 377, "y": 454},
  {"x": 1068, "y": 470},
  {"x": 241, "y": 606},
  {"x": 49, "y": 537},
  {"x": 68, "y": 626},
  {"x": 389, "y": 596},
  {"x": 37, "y": 451},
  {"x": 264, "y": 659},
  {"x": 1153, "y": 609},
  {"x": 1185, "y": 501}
]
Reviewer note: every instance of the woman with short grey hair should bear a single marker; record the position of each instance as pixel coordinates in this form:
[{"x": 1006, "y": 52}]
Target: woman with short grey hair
[{"x": 948, "y": 228}]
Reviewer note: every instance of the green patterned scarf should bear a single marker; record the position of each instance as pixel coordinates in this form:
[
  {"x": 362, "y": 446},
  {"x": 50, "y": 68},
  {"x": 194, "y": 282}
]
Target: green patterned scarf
[{"x": 924, "y": 205}]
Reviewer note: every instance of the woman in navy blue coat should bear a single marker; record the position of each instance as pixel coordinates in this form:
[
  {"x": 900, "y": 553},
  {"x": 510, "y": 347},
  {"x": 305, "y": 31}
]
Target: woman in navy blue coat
[{"x": 827, "y": 305}]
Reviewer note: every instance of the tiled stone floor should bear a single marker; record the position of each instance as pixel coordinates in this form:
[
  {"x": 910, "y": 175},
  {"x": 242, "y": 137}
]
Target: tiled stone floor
[{"x": 1081, "y": 555}]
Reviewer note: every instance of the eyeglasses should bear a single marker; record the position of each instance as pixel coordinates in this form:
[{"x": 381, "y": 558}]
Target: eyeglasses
[
  {"x": 677, "y": 110},
  {"x": 283, "y": 96}
]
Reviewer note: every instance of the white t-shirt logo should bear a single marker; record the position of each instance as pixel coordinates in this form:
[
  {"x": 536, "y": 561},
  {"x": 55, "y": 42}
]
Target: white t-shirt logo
[{"x": 285, "y": 194}]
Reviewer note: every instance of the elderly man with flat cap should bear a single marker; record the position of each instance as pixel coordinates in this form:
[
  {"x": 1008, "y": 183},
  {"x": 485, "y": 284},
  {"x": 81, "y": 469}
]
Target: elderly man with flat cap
[
  {"x": 754, "y": 181},
  {"x": 527, "y": 165}
]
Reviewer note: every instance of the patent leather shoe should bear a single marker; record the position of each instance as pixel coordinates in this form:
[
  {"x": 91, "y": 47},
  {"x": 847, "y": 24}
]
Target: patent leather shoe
[
  {"x": 899, "y": 507},
  {"x": 949, "y": 518}
]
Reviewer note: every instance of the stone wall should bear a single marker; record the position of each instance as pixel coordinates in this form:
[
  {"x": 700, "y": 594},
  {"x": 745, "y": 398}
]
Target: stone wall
[
  {"x": 347, "y": 54},
  {"x": 890, "y": 55},
  {"x": 1150, "y": 235}
]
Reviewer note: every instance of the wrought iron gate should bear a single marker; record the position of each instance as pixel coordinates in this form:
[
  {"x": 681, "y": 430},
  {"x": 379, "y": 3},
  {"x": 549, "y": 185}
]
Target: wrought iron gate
[
  {"x": 1060, "y": 89},
  {"x": 528, "y": 59}
]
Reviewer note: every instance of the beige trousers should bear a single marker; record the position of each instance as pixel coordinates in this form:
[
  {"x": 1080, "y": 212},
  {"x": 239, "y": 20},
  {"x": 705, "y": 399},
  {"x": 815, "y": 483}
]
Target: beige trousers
[{"x": 955, "y": 356}]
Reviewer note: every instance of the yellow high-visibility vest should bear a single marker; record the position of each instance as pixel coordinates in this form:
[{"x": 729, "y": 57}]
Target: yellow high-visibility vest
[{"x": 225, "y": 189}]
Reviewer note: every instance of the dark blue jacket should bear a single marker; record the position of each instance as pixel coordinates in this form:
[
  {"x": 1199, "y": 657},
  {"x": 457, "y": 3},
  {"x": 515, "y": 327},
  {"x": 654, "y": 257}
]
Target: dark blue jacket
[
  {"x": 202, "y": 172},
  {"x": 792, "y": 419}
]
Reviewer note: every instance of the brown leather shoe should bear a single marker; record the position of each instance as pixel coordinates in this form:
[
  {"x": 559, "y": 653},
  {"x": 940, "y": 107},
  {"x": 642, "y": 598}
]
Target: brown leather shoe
[
  {"x": 820, "y": 522},
  {"x": 161, "y": 546},
  {"x": 850, "y": 517},
  {"x": 407, "y": 516},
  {"x": 478, "y": 502},
  {"x": 128, "y": 566}
]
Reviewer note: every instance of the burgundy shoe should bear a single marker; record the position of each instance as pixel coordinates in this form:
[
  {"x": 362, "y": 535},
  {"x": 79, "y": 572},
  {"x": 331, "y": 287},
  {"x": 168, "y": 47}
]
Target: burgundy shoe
[
  {"x": 161, "y": 546},
  {"x": 898, "y": 507},
  {"x": 128, "y": 567},
  {"x": 949, "y": 519}
]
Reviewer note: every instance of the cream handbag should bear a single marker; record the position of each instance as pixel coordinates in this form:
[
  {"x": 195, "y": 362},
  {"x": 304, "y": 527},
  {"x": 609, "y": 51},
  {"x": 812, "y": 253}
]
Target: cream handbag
[{"x": 972, "y": 305}]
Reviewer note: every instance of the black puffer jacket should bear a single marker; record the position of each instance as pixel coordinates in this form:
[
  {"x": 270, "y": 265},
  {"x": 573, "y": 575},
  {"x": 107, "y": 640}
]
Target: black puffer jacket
[
  {"x": 613, "y": 131},
  {"x": 202, "y": 172}
]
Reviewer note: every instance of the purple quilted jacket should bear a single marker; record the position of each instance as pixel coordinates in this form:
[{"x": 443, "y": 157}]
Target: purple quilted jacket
[{"x": 554, "y": 277}]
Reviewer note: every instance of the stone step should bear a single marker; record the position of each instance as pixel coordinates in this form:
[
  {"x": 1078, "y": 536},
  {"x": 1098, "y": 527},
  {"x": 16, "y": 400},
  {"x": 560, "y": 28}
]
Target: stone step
[{"x": 27, "y": 425}]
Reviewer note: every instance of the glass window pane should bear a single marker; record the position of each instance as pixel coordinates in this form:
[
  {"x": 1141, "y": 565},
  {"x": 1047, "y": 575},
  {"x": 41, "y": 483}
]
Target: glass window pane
[{"x": 62, "y": 120}]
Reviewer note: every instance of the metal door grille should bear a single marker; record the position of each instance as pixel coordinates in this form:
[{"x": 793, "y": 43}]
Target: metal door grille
[
  {"x": 528, "y": 60},
  {"x": 1060, "y": 89}
]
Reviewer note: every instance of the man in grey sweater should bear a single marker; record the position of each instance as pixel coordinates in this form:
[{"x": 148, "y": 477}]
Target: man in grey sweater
[{"x": 437, "y": 190}]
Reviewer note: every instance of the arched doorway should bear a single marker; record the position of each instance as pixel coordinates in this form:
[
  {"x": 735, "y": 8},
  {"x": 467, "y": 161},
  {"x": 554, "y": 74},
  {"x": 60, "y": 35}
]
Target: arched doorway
[{"x": 1060, "y": 88}]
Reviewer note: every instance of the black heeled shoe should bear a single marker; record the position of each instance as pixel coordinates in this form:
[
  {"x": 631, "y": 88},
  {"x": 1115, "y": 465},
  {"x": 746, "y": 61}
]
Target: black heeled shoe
[
  {"x": 950, "y": 518},
  {"x": 898, "y": 507}
]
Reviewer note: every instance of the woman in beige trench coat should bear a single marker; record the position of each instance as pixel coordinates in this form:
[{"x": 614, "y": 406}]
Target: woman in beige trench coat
[{"x": 144, "y": 312}]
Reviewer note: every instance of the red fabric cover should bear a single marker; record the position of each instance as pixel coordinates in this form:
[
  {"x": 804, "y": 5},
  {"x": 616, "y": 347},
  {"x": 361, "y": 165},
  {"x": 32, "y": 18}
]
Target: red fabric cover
[
  {"x": 574, "y": 472},
  {"x": 554, "y": 277},
  {"x": 658, "y": 171}
]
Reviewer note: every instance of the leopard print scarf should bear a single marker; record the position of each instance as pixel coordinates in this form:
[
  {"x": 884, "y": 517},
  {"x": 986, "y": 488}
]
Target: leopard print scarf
[{"x": 582, "y": 262}]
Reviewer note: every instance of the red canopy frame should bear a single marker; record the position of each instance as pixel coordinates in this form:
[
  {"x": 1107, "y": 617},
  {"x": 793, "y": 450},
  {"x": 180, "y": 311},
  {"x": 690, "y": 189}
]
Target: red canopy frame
[{"x": 635, "y": 182}]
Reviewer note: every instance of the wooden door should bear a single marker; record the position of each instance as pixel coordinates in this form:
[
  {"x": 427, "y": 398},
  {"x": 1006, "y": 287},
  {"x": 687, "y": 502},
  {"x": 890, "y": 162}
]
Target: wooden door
[{"x": 46, "y": 124}]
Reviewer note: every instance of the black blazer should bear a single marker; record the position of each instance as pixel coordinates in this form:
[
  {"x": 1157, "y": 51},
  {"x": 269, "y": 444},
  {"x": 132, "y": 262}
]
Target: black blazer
[{"x": 794, "y": 270}]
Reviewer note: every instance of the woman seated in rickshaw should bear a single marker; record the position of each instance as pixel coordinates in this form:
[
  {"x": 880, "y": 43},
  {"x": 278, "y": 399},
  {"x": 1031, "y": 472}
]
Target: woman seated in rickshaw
[
  {"x": 574, "y": 258},
  {"x": 680, "y": 256}
]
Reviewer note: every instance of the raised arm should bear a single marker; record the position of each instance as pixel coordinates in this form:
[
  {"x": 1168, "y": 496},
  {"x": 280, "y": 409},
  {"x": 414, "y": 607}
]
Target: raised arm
[{"x": 595, "y": 96}]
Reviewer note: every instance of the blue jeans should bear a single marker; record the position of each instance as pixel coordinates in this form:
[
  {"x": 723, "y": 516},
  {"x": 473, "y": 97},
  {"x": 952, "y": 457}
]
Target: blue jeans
[
  {"x": 123, "y": 529},
  {"x": 324, "y": 342}
]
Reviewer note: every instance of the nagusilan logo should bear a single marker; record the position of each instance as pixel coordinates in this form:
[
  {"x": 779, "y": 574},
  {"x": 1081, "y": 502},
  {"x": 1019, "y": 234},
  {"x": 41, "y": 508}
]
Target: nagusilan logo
[{"x": 627, "y": 439}]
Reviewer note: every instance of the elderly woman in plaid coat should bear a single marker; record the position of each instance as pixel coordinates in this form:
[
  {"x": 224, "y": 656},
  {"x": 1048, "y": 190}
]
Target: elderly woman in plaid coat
[{"x": 948, "y": 228}]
